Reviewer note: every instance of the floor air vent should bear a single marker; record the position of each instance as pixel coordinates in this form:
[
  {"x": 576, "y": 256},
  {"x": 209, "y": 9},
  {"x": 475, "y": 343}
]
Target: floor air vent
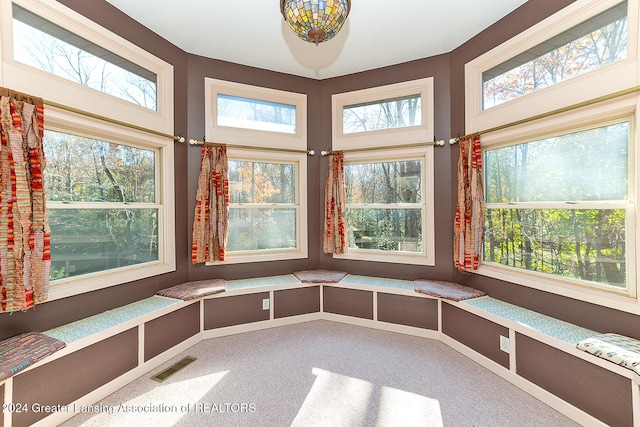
[{"x": 161, "y": 376}]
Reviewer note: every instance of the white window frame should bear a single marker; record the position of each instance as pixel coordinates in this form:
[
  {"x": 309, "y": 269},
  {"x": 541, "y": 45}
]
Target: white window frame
[
  {"x": 427, "y": 256},
  {"x": 364, "y": 144},
  {"x": 598, "y": 114},
  {"x": 384, "y": 137},
  {"x": 278, "y": 147},
  {"x": 63, "y": 121},
  {"x": 36, "y": 82},
  {"x": 611, "y": 78},
  {"x": 302, "y": 249},
  {"x": 250, "y": 137}
]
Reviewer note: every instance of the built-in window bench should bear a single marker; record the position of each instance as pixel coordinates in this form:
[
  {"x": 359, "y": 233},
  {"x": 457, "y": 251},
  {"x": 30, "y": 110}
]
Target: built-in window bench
[
  {"x": 101, "y": 354},
  {"x": 513, "y": 342},
  {"x": 539, "y": 354}
]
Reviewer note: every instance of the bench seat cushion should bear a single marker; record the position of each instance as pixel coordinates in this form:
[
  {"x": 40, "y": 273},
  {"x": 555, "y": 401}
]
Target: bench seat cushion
[
  {"x": 447, "y": 290},
  {"x": 621, "y": 350},
  {"x": 192, "y": 290},
  {"x": 20, "y": 352},
  {"x": 320, "y": 276}
]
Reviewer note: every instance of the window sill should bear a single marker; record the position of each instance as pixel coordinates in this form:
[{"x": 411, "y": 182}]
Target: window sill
[
  {"x": 271, "y": 255},
  {"x": 383, "y": 256}
]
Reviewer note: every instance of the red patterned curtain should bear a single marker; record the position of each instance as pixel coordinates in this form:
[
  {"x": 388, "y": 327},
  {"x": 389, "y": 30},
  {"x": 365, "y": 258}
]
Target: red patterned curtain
[
  {"x": 25, "y": 257},
  {"x": 335, "y": 235},
  {"x": 469, "y": 223},
  {"x": 211, "y": 218}
]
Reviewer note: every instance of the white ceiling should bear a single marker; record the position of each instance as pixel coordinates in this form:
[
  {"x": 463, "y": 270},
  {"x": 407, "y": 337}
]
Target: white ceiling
[{"x": 253, "y": 32}]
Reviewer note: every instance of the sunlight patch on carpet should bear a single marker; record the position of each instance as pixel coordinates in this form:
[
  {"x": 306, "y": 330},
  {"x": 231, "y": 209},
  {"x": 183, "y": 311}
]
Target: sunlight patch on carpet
[{"x": 336, "y": 399}]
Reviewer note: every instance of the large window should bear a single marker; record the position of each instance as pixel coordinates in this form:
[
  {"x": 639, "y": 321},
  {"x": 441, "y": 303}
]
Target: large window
[
  {"x": 110, "y": 202},
  {"x": 385, "y": 133},
  {"x": 102, "y": 204},
  {"x": 265, "y": 130},
  {"x": 385, "y": 205},
  {"x": 559, "y": 206},
  {"x": 109, "y": 188},
  {"x": 390, "y": 206},
  {"x": 264, "y": 210},
  {"x": 560, "y": 153}
]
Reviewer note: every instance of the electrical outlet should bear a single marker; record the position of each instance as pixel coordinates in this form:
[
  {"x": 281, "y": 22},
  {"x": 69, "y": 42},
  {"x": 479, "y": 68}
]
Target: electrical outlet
[
  {"x": 504, "y": 344},
  {"x": 265, "y": 304}
]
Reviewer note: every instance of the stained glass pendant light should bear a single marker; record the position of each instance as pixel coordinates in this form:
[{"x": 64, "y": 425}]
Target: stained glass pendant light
[{"x": 315, "y": 21}]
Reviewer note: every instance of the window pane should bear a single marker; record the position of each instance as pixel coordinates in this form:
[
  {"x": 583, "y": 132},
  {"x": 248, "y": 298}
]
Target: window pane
[
  {"x": 259, "y": 182},
  {"x": 385, "y": 229},
  {"x": 586, "y": 244},
  {"x": 591, "y": 45},
  {"x": 49, "y": 47},
  {"x": 90, "y": 240},
  {"x": 260, "y": 229},
  {"x": 388, "y": 182},
  {"x": 246, "y": 113},
  {"x": 384, "y": 114},
  {"x": 589, "y": 165},
  {"x": 88, "y": 170}
]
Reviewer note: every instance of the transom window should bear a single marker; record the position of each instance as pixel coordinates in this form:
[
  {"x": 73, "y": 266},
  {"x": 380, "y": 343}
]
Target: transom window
[
  {"x": 44, "y": 45},
  {"x": 559, "y": 205},
  {"x": 248, "y": 115},
  {"x": 592, "y": 44},
  {"x": 254, "y": 114},
  {"x": 383, "y": 116},
  {"x": 386, "y": 114}
]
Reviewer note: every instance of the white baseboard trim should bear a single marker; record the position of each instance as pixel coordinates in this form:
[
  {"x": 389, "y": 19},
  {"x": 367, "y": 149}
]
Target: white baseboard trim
[
  {"x": 539, "y": 393},
  {"x": 116, "y": 384},
  {"x": 383, "y": 326},
  {"x": 256, "y": 326},
  {"x": 635, "y": 392}
]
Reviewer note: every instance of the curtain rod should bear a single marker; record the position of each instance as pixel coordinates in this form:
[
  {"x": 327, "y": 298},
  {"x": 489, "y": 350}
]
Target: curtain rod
[
  {"x": 251, "y": 147},
  {"x": 179, "y": 138},
  {"x": 386, "y": 147},
  {"x": 551, "y": 113}
]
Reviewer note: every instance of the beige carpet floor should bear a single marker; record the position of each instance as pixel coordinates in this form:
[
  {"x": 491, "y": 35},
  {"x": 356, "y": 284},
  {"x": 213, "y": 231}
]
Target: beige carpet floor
[{"x": 322, "y": 373}]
